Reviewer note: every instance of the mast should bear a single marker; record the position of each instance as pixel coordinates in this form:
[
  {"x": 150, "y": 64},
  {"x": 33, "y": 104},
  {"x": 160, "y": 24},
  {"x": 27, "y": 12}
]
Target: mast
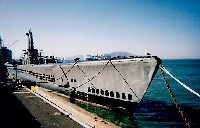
[
  {"x": 32, "y": 53},
  {"x": 30, "y": 40}
]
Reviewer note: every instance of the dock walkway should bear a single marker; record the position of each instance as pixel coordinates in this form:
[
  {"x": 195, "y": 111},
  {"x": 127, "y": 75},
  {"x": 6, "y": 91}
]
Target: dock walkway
[{"x": 20, "y": 108}]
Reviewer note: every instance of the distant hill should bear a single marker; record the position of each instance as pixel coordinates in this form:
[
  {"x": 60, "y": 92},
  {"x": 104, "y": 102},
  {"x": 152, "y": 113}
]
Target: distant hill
[{"x": 113, "y": 54}]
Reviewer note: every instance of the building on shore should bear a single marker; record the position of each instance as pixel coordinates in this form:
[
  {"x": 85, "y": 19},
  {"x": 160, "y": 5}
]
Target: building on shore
[{"x": 5, "y": 53}]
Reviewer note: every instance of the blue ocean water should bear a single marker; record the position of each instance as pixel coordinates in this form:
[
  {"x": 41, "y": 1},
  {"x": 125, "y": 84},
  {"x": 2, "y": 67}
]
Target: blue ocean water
[{"x": 157, "y": 108}]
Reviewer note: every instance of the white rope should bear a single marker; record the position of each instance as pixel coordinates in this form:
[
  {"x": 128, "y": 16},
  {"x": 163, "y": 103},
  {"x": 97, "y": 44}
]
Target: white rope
[{"x": 185, "y": 86}]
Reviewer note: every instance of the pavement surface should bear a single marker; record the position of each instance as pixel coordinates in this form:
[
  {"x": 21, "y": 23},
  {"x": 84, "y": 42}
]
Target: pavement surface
[{"x": 20, "y": 108}]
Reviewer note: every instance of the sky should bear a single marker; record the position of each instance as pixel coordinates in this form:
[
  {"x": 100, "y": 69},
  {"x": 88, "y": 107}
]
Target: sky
[{"x": 64, "y": 28}]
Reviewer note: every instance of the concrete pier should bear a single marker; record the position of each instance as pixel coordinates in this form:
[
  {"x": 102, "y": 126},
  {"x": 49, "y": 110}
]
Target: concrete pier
[
  {"x": 81, "y": 115},
  {"x": 20, "y": 108}
]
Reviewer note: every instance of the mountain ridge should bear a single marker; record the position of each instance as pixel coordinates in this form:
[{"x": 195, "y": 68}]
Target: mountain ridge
[{"x": 113, "y": 54}]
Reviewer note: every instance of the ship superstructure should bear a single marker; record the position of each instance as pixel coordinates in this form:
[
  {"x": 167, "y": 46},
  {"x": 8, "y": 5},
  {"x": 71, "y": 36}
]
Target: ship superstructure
[{"x": 32, "y": 55}]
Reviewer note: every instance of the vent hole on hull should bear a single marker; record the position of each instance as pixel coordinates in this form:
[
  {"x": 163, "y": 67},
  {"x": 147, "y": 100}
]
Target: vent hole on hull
[
  {"x": 112, "y": 94},
  {"x": 123, "y": 96},
  {"x": 130, "y": 97},
  {"x": 102, "y": 92},
  {"x": 93, "y": 90},
  {"x": 89, "y": 90},
  {"x": 106, "y": 93},
  {"x": 117, "y": 95}
]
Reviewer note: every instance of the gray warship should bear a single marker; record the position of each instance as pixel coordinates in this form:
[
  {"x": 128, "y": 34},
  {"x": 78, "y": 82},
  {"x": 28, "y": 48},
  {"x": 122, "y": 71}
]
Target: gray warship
[{"x": 113, "y": 82}]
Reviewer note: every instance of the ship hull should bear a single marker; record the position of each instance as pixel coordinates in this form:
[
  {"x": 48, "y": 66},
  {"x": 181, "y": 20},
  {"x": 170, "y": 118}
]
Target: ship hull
[{"x": 114, "y": 83}]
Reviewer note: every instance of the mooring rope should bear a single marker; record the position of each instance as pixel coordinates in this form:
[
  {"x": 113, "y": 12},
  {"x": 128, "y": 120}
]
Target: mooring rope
[
  {"x": 91, "y": 86},
  {"x": 185, "y": 86},
  {"x": 94, "y": 75},
  {"x": 65, "y": 74},
  {"x": 84, "y": 73},
  {"x": 173, "y": 97},
  {"x": 125, "y": 80}
]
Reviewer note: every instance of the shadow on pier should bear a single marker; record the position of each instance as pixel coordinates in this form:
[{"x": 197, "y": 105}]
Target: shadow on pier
[{"x": 13, "y": 113}]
